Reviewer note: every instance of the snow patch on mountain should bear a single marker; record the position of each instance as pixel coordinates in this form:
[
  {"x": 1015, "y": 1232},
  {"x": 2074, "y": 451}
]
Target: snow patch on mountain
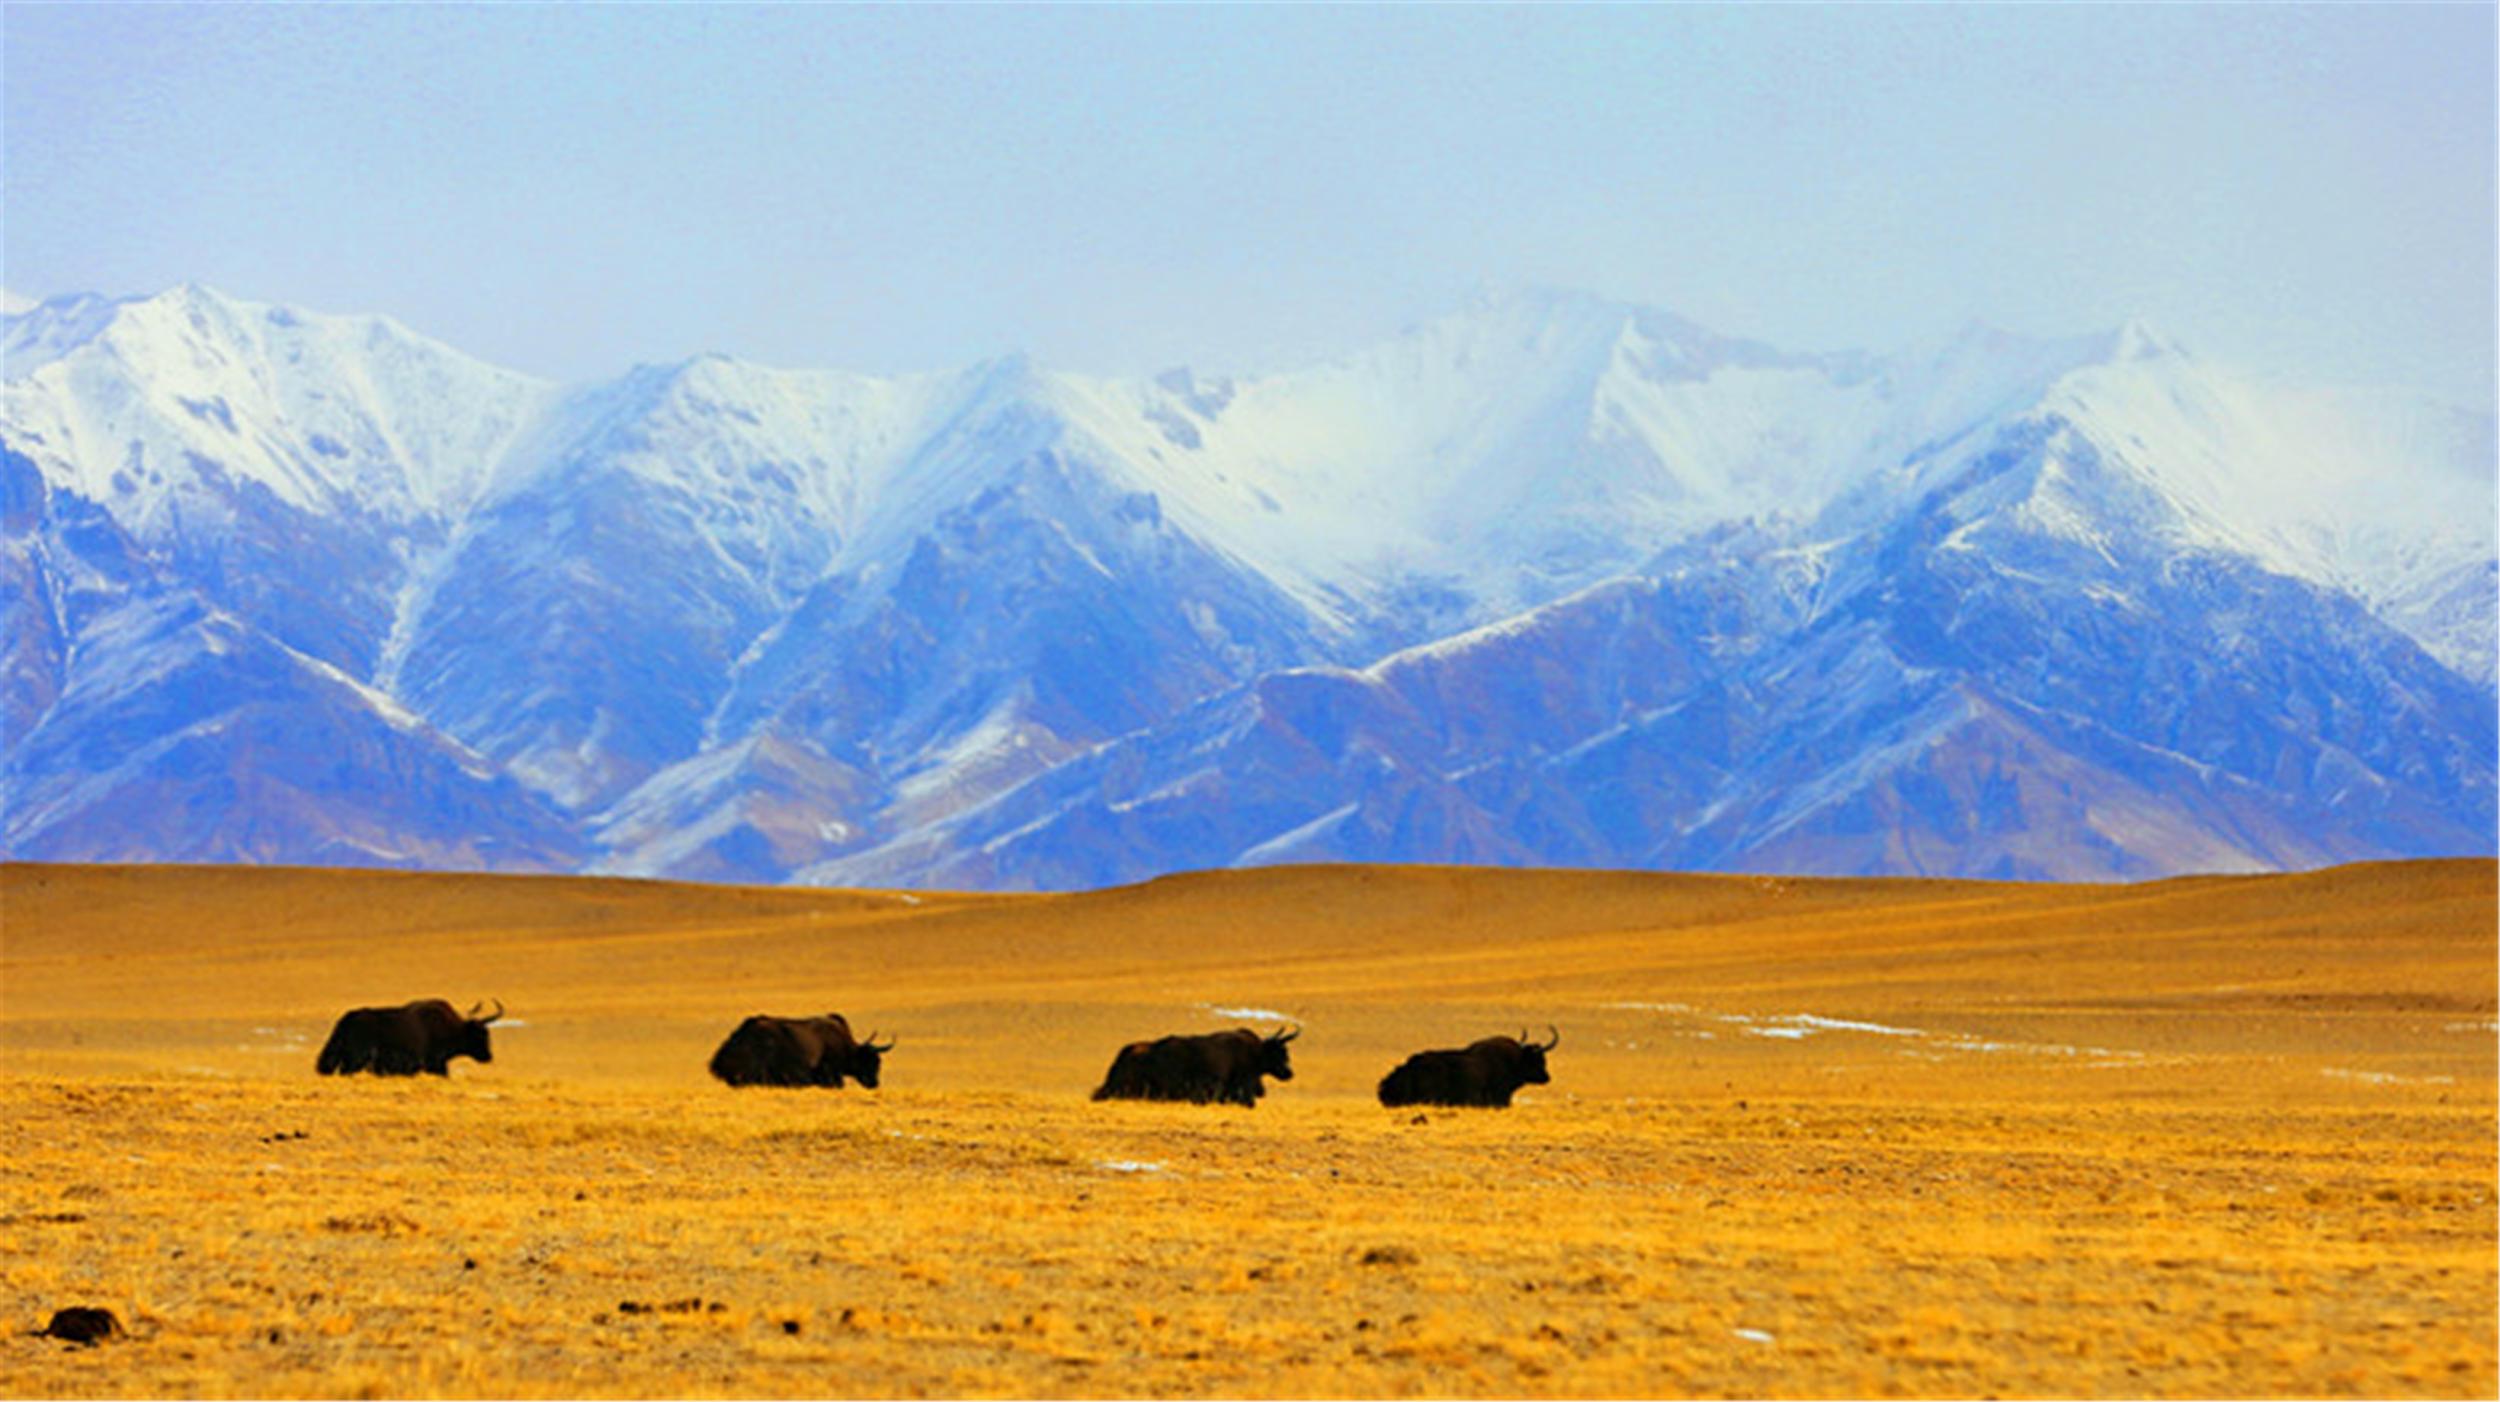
[{"x": 2386, "y": 496}]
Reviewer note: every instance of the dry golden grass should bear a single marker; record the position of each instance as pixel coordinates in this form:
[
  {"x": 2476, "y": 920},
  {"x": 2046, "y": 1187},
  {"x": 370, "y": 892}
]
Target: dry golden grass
[{"x": 2211, "y": 1137}]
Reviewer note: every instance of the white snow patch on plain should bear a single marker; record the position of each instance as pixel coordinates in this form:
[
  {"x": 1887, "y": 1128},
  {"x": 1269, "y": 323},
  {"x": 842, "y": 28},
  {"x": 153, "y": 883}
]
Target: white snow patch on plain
[
  {"x": 1974, "y": 1044},
  {"x": 1754, "y": 1336},
  {"x": 2385, "y": 1078},
  {"x": 1796, "y": 1027},
  {"x": 1129, "y": 1166},
  {"x": 1255, "y": 1014},
  {"x": 1790, "y": 1026},
  {"x": 1834, "y": 1024}
]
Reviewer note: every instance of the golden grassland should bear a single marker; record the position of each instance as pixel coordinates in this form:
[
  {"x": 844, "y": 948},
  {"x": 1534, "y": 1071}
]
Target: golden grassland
[{"x": 2228, "y": 1136}]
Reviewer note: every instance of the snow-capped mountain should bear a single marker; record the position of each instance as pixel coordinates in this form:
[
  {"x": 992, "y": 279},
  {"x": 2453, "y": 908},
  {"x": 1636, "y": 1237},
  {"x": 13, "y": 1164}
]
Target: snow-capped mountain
[
  {"x": 1547, "y": 580},
  {"x": 286, "y": 465},
  {"x": 145, "y": 722}
]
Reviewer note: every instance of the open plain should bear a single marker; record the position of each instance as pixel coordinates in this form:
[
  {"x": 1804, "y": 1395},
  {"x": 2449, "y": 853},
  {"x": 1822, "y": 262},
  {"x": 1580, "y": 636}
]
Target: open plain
[{"x": 2219, "y": 1136}]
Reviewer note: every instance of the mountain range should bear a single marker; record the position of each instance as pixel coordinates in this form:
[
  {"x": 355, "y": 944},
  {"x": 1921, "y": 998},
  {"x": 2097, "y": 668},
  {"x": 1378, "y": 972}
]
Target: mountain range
[{"x": 1548, "y": 580}]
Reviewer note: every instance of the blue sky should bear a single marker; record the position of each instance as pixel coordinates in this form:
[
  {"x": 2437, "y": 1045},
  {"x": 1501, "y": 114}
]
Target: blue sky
[{"x": 571, "y": 190}]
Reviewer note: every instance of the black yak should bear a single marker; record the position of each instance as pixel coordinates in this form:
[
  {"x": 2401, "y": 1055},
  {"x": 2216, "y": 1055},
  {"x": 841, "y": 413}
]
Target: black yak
[
  {"x": 798, "y": 1051},
  {"x": 1216, "y": 1066},
  {"x": 1486, "y": 1073},
  {"x": 420, "y": 1036}
]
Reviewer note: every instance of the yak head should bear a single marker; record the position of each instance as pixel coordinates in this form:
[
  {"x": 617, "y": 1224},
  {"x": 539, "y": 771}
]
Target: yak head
[
  {"x": 866, "y": 1059},
  {"x": 1532, "y": 1057},
  {"x": 1273, "y": 1059},
  {"x": 469, "y": 1038}
]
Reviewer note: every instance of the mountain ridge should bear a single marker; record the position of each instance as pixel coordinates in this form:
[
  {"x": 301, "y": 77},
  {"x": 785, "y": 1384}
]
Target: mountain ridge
[{"x": 765, "y": 623}]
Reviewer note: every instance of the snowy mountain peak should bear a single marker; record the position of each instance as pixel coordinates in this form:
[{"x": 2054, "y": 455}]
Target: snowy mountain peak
[
  {"x": 163, "y": 404},
  {"x": 51, "y": 328},
  {"x": 193, "y": 322},
  {"x": 2139, "y": 339}
]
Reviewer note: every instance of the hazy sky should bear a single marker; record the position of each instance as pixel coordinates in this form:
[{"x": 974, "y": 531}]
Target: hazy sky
[{"x": 570, "y": 190}]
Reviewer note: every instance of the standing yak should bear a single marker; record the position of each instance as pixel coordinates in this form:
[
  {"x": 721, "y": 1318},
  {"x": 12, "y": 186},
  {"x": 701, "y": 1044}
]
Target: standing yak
[
  {"x": 1485, "y": 1073},
  {"x": 1216, "y": 1066},
  {"x": 798, "y": 1051},
  {"x": 420, "y": 1036}
]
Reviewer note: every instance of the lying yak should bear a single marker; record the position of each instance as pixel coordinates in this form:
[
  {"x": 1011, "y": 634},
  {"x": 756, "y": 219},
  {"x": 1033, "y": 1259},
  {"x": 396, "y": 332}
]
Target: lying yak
[
  {"x": 1485, "y": 1073},
  {"x": 798, "y": 1051},
  {"x": 1215, "y": 1066},
  {"x": 402, "y": 1041}
]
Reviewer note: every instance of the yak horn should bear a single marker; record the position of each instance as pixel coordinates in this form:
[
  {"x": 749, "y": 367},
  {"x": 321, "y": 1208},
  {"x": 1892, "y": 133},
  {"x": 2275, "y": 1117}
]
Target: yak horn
[
  {"x": 1553, "y": 1038},
  {"x": 490, "y": 1017},
  {"x": 1285, "y": 1036},
  {"x": 872, "y": 1043}
]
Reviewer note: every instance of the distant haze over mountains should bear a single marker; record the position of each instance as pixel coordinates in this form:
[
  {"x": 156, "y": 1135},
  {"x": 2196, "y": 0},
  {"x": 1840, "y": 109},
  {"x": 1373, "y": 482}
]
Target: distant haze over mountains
[{"x": 1550, "y": 580}]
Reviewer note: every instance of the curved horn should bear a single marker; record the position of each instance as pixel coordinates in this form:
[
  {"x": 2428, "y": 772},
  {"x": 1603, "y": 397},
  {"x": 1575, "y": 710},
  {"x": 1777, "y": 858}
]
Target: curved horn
[
  {"x": 872, "y": 1044},
  {"x": 1553, "y": 1038},
  {"x": 1285, "y": 1036},
  {"x": 490, "y": 1017}
]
